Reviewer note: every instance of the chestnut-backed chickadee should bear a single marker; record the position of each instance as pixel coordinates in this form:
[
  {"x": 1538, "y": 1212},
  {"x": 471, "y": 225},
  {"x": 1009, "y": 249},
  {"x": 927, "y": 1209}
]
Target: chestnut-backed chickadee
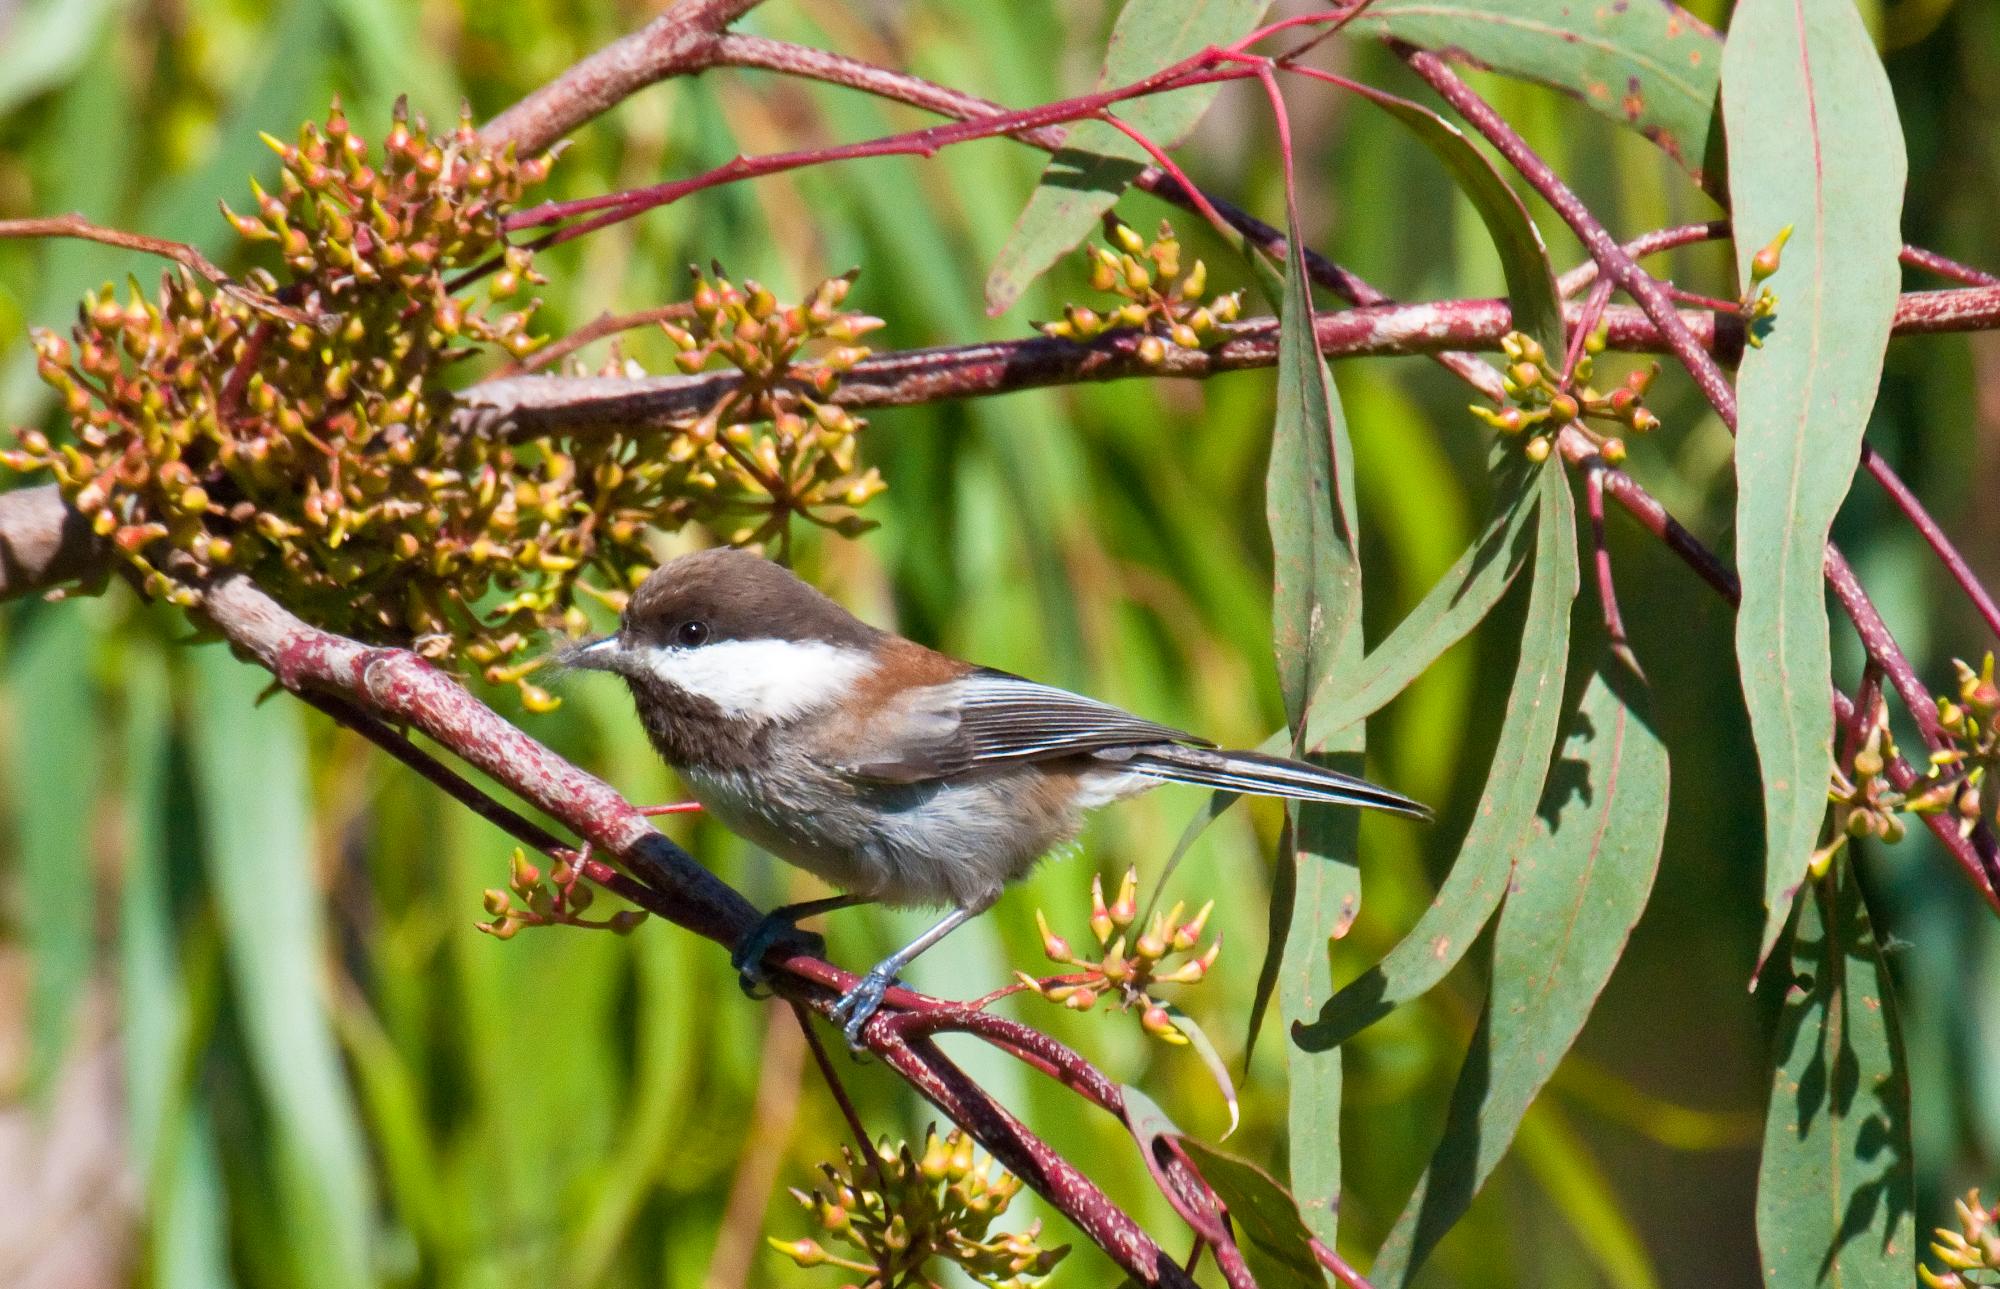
[{"x": 897, "y": 774}]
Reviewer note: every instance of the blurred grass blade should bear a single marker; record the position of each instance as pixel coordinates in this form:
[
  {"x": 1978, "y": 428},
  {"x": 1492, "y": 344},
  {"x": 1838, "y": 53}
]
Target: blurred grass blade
[
  {"x": 1502, "y": 827},
  {"x": 1316, "y": 631},
  {"x": 55, "y": 794},
  {"x": 1649, "y": 66},
  {"x": 1816, "y": 146},
  {"x": 1524, "y": 257},
  {"x": 256, "y": 810},
  {"x": 46, "y": 42},
  {"x": 1272, "y": 1235},
  {"x": 1097, "y": 160},
  {"x": 151, "y": 991},
  {"x": 1589, "y": 1201},
  {"x": 1580, "y": 883},
  {"x": 1458, "y": 602},
  {"x": 1833, "y": 1191}
]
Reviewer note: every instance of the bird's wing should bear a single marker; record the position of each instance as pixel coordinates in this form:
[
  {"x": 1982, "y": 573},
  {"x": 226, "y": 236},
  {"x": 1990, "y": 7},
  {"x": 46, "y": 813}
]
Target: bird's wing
[{"x": 990, "y": 718}]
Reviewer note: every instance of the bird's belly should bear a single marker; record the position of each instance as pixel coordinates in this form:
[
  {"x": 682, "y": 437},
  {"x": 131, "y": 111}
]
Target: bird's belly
[{"x": 955, "y": 842}]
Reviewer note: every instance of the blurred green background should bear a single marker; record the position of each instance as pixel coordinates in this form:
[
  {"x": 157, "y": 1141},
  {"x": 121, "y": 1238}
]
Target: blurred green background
[{"x": 248, "y": 1034}]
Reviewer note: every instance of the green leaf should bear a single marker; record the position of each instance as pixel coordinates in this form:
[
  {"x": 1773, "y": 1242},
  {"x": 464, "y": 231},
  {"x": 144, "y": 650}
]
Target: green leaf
[
  {"x": 1097, "y": 161},
  {"x": 1532, "y": 296},
  {"x": 1269, "y": 1230},
  {"x": 55, "y": 756},
  {"x": 1652, "y": 66},
  {"x": 1833, "y": 1191},
  {"x": 1503, "y": 826},
  {"x": 256, "y": 809},
  {"x": 1580, "y": 883},
  {"x": 1458, "y": 602},
  {"x": 1316, "y": 629},
  {"x": 1815, "y": 146}
]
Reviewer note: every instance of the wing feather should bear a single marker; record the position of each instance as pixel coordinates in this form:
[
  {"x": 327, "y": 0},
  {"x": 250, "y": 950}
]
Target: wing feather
[{"x": 992, "y": 718}]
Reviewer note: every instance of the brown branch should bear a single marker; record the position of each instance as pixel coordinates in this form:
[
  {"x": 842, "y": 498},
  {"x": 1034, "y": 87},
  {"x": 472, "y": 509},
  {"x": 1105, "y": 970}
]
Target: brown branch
[
  {"x": 529, "y": 407},
  {"x": 392, "y": 687},
  {"x": 680, "y": 40},
  {"x": 44, "y": 543}
]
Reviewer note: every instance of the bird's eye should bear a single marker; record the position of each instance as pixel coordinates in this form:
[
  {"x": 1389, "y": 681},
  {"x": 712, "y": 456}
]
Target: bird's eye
[{"x": 691, "y": 634}]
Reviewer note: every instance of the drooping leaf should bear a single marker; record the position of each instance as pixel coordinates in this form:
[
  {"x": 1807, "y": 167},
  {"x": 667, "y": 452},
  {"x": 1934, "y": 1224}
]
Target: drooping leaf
[
  {"x": 1580, "y": 883},
  {"x": 1211, "y": 1060},
  {"x": 1652, "y": 66},
  {"x": 1458, "y": 602},
  {"x": 1833, "y": 1191},
  {"x": 1502, "y": 828},
  {"x": 255, "y": 805},
  {"x": 1272, "y": 1235},
  {"x": 1097, "y": 161},
  {"x": 1815, "y": 146},
  {"x": 1316, "y": 629},
  {"x": 55, "y": 756},
  {"x": 1524, "y": 258}
]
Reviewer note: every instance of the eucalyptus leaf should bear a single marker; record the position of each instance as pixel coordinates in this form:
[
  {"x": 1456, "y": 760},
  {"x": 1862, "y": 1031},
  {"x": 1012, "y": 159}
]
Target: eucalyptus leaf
[
  {"x": 1459, "y": 601},
  {"x": 1649, "y": 66},
  {"x": 1316, "y": 630},
  {"x": 1816, "y": 147},
  {"x": 1833, "y": 1190},
  {"x": 1272, "y": 1235},
  {"x": 1532, "y": 296},
  {"x": 1503, "y": 826},
  {"x": 1580, "y": 884}
]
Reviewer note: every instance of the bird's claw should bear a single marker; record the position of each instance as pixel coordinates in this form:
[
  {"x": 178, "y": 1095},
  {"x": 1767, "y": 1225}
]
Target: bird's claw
[
  {"x": 773, "y": 930},
  {"x": 852, "y": 1009}
]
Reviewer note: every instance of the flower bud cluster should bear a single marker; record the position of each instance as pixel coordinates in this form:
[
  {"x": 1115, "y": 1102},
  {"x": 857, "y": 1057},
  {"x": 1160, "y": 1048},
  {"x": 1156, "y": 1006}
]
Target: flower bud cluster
[
  {"x": 1971, "y": 1254},
  {"x": 1165, "y": 300},
  {"x": 1127, "y": 968},
  {"x": 775, "y": 447},
  {"x": 1540, "y": 402},
  {"x": 1972, "y": 722},
  {"x": 556, "y": 900},
  {"x": 900, "y": 1209}
]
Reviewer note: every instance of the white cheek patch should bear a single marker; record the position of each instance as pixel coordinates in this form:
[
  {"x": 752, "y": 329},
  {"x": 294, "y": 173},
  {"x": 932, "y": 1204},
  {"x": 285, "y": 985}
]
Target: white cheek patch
[{"x": 769, "y": 680}]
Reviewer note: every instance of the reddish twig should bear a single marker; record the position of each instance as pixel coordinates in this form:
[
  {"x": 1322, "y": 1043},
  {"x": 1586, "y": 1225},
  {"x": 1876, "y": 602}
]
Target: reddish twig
[
  {"x": 678, "y": 41},
  {"x": 1607, "y": 591}
]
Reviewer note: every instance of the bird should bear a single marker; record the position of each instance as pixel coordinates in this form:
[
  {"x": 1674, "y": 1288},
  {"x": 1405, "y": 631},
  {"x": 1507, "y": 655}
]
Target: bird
[{"x": 899, "y": 775}]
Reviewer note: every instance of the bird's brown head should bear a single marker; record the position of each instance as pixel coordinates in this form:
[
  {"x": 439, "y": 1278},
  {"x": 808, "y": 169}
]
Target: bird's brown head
[{"x": 721, "y": 643}]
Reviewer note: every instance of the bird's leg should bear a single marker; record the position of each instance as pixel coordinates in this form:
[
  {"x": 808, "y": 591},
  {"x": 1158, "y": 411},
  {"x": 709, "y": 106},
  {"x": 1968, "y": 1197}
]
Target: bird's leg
[
  {"x": 777, "y": 927},
  {"x": 581, "y": 855},
  {"x": 855, "y": 1006}
]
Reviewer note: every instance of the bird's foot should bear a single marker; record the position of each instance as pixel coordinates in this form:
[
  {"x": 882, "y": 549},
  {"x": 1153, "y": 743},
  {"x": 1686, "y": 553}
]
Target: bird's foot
[
  {"x": 773, "y": 930},
  {"x": 853, "y": 1008}
]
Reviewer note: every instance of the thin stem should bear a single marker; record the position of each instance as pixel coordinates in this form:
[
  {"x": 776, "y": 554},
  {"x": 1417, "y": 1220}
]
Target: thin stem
[
  {"x": 1607, "y": 591},
  {"x": 1934, "y": 536},
  {"x": 76, "y": 226}
]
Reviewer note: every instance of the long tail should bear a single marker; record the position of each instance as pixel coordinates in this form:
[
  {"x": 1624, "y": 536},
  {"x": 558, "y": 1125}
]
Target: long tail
[{"x": 1259, "y": 775}]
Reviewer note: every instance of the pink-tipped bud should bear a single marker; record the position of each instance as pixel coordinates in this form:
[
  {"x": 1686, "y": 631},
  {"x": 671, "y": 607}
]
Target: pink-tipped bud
[
  {"x": 1053, "y": 945},
  {"x": 1100, "y": 917},
  {"x": 1189, "y": 933},
  {"x": 1127, "y": 905}
]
